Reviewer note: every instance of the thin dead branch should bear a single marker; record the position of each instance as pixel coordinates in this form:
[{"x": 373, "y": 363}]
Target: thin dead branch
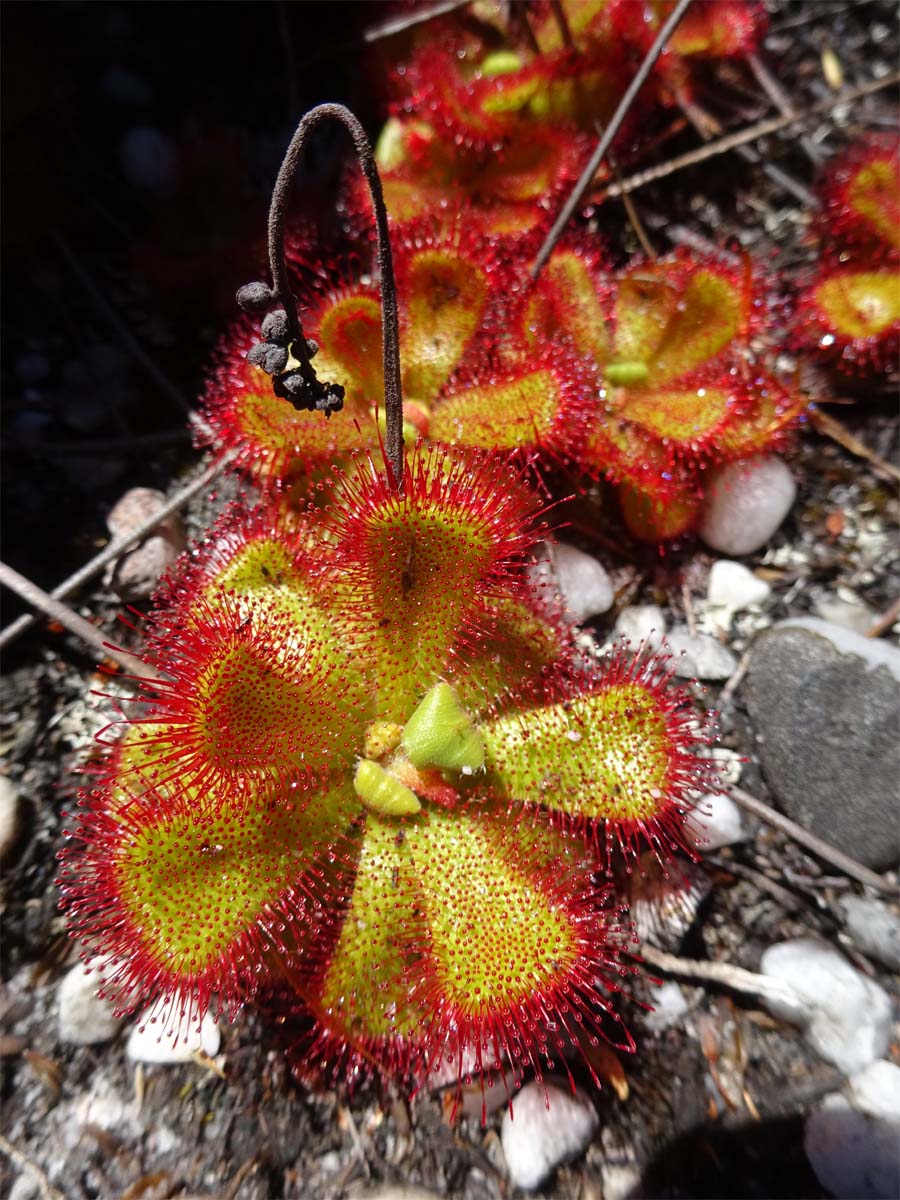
[
  {"x": 743, "y": 137},
  {"x": 609, "y": 133},
  {"x": 15, "y": 1155},
  {"x": 831, "y": 427},
  {"x": 724, "y": 974},
  {"x": 885, "y": 621},
  {"x": 803, "y": 837},
  {"x": 69, "y": 619},
  {"x": 376, "y": 33}
]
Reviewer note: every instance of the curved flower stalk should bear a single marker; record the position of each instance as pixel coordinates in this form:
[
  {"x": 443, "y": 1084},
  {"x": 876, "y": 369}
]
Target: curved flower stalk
[
  {"x": 677, "y": 385},
  {"x": 851, "y": 310},
  {"x": 468, "y": 378},
  {"x": 379, "y": 781}
]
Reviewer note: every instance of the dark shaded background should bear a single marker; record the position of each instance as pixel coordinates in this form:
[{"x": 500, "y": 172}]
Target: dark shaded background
[{"x": 140, "y": 141}]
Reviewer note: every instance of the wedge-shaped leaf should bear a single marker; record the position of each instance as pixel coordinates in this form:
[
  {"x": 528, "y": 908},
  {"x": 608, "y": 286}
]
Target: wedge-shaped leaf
[
  {"x": 690, "y": 416},
  {"x": 567, "y": 301},
  {"x": 348, "y": 331},
  {"x": 873, "y": 194},
  {"x": 368, "y": 991},
  {"x": 414, "y": 569},
  {"x": 619, "y": 756},
  {"x": 859, "y": 304},
  {"x": 673, "y": 318},
  {"x": 253, "y": 695},
  {"x": 444, "y": 295},
  {"x": 193, "y": 896}
]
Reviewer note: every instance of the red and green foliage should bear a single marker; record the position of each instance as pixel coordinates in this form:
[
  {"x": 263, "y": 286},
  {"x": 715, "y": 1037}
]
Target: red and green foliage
[
  {"x": 676, "y": 384},
  {"x": 851, "y": 310},
  {"x": 380, "y": 781},
  {"x": 468, "y": 378}
]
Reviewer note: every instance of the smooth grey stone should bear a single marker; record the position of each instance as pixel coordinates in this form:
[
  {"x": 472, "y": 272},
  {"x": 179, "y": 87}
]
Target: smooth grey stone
[{"x": 824, "y": 703}]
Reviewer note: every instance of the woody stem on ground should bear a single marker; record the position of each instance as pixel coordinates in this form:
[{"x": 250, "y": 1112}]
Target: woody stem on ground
[
  {"x": 390, "y": 329},
  {"x": 608, "y": 136}
]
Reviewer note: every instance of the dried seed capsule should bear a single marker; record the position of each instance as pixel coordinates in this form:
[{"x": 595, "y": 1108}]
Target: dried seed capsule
[
  {"x": 275, "y": 359},
  {"x": 257, "y": 353},
  {"x": 331, "y": 399},
  {"x": 254, "y": 297},
  {"x": 274, "y": 327}
]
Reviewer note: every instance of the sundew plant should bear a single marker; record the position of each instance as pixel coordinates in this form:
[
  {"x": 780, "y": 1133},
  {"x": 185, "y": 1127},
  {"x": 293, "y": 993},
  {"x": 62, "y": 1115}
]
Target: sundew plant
[{"x": 374, "y": 785}]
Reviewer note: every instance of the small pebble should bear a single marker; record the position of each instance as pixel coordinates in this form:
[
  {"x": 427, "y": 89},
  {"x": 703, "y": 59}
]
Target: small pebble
[
  {"x": 641, "y": 623},
  {"x": 582, "y": 582},
  {"x": 137, "y": 573},
  {"x": 698, "y": 655},
  {"x": 12, "y": 817},
  {"x": 745, "y": 503},
  {"x": 851, "y": 1140},
  {"x": 394, "y": 1191},
  {"x": 732, "y": 586},
  {"x": 874, "y": 928},
  {"x": 849, "y": 614},
  {"x": 537, "y": 1139},
  {"x": 876, "y": 1090},
  {"x": 669, "y": 1006},
  {"x": 85, "y": 1019},
  {"x": 619, "y": 1181},
  {"x": 26, "y": 1187},
  {"x": 715, "y": 822},
  {"x": 846, "y": 1018},
  {"x": 164, "y": 1035}
]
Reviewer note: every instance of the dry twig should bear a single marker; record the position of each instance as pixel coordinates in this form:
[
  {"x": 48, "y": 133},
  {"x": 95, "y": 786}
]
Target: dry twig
[
  {"x": 609, "y": 133},
  {"x": 57, "y": 611},
  {"x": 725, "y": 974},
  {"x": 743, "y": 137},
  {"x": 120, "y": 545},
  {"x": 45, "y": 1187},
  {"x": 803, "y": 837},
  {"x": 831, "y": 427}
]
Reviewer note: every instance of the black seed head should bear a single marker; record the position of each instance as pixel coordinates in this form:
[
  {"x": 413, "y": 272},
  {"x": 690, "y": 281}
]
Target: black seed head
[
  {"x": 254, "y": 297},
  {"x": 257, "y": 353},
  {"x": 274, "y": 327},
  {"x": 275, "y": 359}
]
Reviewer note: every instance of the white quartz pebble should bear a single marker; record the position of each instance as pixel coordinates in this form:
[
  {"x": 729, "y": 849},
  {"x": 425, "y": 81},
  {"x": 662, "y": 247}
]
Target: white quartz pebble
[
  {"x": 745, "y": 503},
  {"x": 846, "y": 1017},
  {"x": 170, "y": 1031},
  {"x": 715, "y": 822},
  {"x": 874, "y": 928},
  {"x": 11, "y": 816},
  {"x": 698, "y": 655},
  {"x": 669, "y": 1006},
  {"x": 83, "y": 1018},
  {"x": 733, "y": 586},
  {"x": 581, "y": 581},
  {"x": 641, "y": 623},
  {"x": 548, "y": 1126}
]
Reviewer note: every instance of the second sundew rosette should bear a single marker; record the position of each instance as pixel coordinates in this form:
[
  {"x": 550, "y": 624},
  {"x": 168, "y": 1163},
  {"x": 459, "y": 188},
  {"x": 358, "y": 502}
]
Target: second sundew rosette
[
  {"x": 678, "y": 347},
  {"x": 469, "y": 377},
  {"x": 380, "y": 786},
  {"x": 850, "y": 311}
]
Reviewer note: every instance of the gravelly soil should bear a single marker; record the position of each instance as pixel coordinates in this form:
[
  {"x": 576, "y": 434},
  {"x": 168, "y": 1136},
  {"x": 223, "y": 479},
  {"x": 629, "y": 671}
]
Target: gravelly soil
[{"x": 241, "y": 1128}]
